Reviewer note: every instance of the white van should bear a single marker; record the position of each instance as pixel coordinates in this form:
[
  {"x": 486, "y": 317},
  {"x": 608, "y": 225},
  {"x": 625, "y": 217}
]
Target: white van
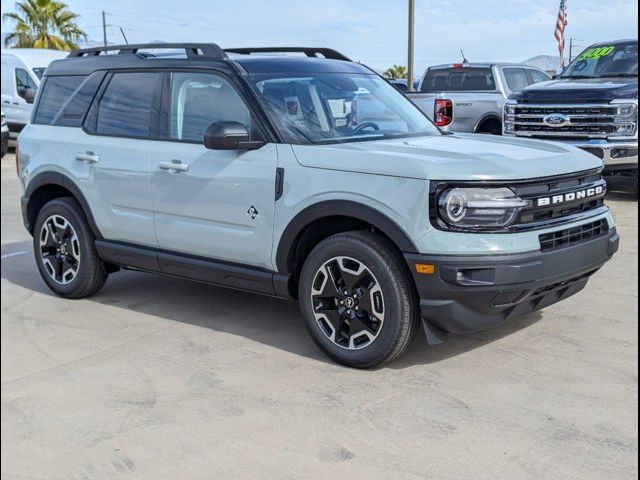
[{"x": 22, "y": 69}]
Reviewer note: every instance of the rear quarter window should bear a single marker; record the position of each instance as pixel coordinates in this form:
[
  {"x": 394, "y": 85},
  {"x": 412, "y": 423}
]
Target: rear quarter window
[
  {"x": 74, "y": 110},
  {"x": 56, "y": 91},
  {"x": 458, "y": 80}
]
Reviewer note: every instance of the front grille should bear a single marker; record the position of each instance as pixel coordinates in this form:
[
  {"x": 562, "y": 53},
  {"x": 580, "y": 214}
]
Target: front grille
[
  {"x": 582, "y": 121},
  {"x": 572, "y": 236},
  {"x": 539, "y": 213}
]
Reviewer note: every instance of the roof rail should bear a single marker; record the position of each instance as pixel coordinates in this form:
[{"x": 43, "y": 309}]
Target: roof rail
[
  {"x": 309, "y": 52},
  {"x": 193, "y": 50}
]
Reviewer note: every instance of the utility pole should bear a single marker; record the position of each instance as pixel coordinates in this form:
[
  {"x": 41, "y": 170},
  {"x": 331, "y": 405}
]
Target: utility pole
[
  {"x": 570, "y": 49},
  {"x": 104, "y": 29},
  {"x": 412, "y": 8}
]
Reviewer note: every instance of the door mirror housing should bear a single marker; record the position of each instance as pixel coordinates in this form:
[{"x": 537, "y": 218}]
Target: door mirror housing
[
  {"x": 229, "y": 136},
  {"x": 29, "y": 95}
]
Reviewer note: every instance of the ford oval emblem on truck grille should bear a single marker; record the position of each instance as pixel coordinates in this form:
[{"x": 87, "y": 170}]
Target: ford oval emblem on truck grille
[{"x": 556, "y": 120}]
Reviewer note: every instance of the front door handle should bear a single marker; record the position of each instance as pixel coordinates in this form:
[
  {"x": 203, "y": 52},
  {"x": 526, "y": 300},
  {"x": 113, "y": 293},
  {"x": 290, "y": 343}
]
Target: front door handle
[
  {"x": 88, "y": 157},
  {"x": 174, "y": 166}
]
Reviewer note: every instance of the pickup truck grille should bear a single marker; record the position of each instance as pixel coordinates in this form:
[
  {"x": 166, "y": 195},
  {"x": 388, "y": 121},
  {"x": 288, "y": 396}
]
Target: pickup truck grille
[
  {"x": 560, "y": 199},
  {"x": 580, "y": 121}
]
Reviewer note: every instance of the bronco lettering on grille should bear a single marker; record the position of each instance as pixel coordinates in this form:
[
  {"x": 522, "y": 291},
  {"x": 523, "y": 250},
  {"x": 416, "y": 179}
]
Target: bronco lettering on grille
[{"x": 571, "y": 196}]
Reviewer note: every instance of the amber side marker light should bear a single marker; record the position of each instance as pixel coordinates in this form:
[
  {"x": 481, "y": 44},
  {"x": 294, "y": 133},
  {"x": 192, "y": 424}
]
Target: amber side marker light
[{"x": 425, "y": 268}]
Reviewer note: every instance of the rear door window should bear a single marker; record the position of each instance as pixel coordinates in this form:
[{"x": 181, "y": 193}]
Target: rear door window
[
  {"x": 537, "y": 76},
  {"x": 130, "y": 105},
  {"x": 516, "y": 78},
  {"x": 458, "y": 79},
  {"x": 55, "y": 92}
]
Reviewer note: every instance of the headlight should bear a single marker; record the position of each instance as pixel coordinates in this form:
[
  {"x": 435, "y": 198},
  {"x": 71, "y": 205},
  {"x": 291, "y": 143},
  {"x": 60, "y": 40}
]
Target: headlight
[
  {"x": 509, "y": 116},
  {"x": 510, "y": 107},
  {"x": 625, "y": 116},
  {"x": 626, "y": 109},
  {"x": 4, "y": 121},
  {"x": 479, "y": 208}
]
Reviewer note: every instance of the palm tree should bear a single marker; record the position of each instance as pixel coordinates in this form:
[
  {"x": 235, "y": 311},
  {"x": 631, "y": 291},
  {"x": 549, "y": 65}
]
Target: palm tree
[
  {"x": 43, "y": 24},
  {"x": 397, "y": 71}
]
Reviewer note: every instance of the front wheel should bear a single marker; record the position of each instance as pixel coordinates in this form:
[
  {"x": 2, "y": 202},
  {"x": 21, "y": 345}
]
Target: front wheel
[
  {"x": 357, "y": 300},
  {"x": 64, "y": 249}
]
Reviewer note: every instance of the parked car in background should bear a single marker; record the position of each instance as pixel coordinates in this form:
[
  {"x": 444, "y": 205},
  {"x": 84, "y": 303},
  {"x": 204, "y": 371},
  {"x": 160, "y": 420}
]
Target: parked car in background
[
  {"x": 5, "y": 135},
  {"x": 401, "y": 84},
  {"x": 593, "y": 105},
  {"x": 469, "y": 97},
  {"x": 22, "y": 70}
]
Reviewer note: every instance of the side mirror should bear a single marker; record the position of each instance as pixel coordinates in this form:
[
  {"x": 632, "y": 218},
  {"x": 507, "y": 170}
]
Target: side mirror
[
  {"x": 229, "y": 136},
  {"x": 29, "y": 95}
]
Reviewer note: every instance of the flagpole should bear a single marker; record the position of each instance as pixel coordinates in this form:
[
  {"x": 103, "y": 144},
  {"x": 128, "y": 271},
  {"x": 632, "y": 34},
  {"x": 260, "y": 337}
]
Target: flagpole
[{"x": 412, "y": 7}]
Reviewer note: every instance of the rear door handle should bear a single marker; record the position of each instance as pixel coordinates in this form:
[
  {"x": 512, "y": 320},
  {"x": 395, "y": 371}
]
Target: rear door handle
[
  {"x": 174, "y": 166},
  {"x": 88, "y": 157}
]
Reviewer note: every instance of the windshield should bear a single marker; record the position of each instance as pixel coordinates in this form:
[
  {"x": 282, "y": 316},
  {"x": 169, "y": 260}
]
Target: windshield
[
  {"x": 339, "y": 107},
  {"x": 620, "y": 60}
]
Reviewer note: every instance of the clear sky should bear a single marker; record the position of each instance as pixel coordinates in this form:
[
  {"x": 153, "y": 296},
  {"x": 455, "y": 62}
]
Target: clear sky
[{"x": 372, "y": 31}]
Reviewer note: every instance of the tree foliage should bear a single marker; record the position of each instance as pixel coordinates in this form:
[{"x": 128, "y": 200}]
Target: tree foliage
[
  {"x": 43, "y": 24},
  {"x": 397, "y": 71}
]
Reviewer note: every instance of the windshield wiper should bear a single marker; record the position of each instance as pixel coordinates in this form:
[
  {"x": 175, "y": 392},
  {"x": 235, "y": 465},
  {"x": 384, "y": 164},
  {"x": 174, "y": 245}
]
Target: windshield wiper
[
  {"x": 622, "y": 75},
  {"x": 577, "y": 76}
]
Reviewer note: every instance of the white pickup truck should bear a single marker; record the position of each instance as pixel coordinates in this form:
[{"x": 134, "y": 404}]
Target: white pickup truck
[{"x": 469, "y": 97}]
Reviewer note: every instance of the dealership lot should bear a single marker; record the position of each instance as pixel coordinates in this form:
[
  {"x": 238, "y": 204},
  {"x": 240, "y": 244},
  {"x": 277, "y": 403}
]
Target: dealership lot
[{"x": 162, "y": 378}]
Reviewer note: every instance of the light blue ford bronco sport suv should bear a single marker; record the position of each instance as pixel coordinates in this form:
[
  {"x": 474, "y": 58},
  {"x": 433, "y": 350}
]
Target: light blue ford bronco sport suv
[{"x": 299, "y": 174}]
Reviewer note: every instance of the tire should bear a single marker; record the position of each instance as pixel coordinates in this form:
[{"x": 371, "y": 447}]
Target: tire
[
  {"x": 61, "y": 232},
  {"x": 384, "y": 318}
]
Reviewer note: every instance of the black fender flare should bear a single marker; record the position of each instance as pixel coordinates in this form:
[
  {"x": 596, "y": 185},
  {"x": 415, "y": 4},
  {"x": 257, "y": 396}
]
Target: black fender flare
[
  {"x": 342, "y": 208},
  {"x": 55, "y": 178}
]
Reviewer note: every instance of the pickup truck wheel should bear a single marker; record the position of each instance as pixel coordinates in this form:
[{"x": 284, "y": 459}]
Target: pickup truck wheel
[
  {"x": 357, "y": 300},
  {"x": 490, "y": 127},
  {"x": 64, "y": 250}
]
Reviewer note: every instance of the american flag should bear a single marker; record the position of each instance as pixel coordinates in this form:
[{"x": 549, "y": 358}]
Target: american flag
[{"x": 561, "y": 24}]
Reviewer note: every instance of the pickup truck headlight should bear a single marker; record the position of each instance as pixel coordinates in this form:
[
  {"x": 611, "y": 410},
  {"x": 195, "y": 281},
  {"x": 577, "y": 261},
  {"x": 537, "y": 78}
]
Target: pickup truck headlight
[
  {"x": 509, "y": 116},
  {"x": 479, "y": 208}
]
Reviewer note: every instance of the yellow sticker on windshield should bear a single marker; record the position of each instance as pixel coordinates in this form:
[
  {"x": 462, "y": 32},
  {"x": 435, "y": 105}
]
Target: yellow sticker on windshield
[{"x": 596, "y": 53}]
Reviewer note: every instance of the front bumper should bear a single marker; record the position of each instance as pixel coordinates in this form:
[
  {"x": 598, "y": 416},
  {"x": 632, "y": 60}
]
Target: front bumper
[
  {"x": 614, "y": 155},
  {"x": 469, "y": 293}
]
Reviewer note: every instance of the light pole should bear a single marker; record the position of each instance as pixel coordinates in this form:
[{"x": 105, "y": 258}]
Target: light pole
[{"x": 412, "y": 8}]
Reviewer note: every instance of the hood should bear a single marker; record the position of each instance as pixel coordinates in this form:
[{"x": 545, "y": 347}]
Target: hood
[
  {"x": 450, "y": 157},
  {"x": 582, "y": 89}
]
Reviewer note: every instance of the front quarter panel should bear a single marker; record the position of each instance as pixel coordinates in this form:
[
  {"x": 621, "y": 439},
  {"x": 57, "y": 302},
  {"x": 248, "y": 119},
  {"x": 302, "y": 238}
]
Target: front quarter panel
[{"x": 404, "y": 201}]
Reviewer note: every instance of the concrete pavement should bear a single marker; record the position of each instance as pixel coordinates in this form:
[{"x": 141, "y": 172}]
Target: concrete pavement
[{"x": 158, "y": 378}]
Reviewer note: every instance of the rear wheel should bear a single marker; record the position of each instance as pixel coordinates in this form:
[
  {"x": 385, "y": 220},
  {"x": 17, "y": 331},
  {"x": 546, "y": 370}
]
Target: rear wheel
[
  {"x": 357, "y": 299},
  {"x": 64, "y": 249}
]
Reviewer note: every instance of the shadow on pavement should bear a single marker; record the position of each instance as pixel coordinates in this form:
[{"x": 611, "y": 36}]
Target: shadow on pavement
[{"x": 262, "y": 319}]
